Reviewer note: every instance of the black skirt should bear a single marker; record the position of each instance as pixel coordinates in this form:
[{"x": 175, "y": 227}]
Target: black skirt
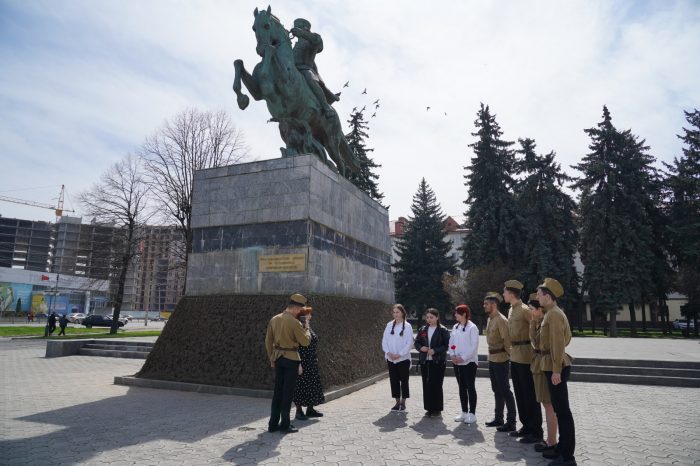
[{"x": 309, "y": 391}]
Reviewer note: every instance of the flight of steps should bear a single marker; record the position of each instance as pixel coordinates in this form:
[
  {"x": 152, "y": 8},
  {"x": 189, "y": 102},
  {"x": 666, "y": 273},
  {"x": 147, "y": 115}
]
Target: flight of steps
[
  {"x": 117, "y": 349},
  {"x": 623, "y": 371}
]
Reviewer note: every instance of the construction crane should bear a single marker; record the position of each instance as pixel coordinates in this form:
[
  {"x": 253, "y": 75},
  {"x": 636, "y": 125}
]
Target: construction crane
[{"x": 58, "y": 209}]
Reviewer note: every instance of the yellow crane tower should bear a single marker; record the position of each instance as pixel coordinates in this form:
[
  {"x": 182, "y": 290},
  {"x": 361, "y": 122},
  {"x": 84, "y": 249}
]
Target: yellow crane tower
[{"x": 58, "y": 209}]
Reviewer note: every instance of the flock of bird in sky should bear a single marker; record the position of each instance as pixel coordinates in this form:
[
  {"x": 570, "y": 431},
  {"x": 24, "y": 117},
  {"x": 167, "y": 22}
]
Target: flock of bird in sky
[{"x": 375, "y": 103}]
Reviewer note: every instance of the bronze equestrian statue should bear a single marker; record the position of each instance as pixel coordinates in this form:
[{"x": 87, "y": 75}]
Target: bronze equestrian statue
[{"x": 288, "y": 80}]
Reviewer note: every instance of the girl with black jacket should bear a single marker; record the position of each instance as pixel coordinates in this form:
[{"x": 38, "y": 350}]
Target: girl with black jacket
[{"x": 432, "y": 343}]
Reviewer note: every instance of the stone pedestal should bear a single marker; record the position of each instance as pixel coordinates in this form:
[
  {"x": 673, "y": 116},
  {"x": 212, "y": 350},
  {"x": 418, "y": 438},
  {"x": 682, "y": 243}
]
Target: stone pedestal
[
  {"x": 262, "y": 231},
  {"x": 287, "y": 206}
]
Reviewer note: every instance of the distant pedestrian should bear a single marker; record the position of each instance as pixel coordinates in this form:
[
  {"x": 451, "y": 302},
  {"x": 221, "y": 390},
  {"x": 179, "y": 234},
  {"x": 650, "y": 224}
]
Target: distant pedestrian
[
  {"x": 308, "y": 391},
  {"x": 464, "y": 351},
  {"x": 396, "y": 343},
  {"x": 432, "y": 343},
  {"x": 30, "y": 316},
  {"x": 62, "y": 322},
  {"x": 52, "y": 323}
]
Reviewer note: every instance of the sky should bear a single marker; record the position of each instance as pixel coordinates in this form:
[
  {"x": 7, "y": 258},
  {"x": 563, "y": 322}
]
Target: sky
[{"x": 83, "y": 83}]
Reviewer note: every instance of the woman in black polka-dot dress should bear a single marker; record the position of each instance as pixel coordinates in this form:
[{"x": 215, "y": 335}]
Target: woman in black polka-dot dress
[{"x": 308, "y": 391}]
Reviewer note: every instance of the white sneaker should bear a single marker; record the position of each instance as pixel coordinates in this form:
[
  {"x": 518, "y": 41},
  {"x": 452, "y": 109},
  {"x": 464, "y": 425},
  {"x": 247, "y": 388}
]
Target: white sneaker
[
  {"x": 461, "y": 417},
  {"x": 469, "y": 418}
]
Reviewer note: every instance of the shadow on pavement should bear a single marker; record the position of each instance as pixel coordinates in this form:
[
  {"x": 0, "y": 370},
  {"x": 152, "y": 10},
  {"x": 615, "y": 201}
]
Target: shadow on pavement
[
  {"x": 261, "y": 448},
  {"x": 141, "y": 415},
  {"x": 511, "y": 450},
  {"x": 430, "y": 427},
  {"x": 391, "y": 422},
  {"x": 468, "y": 434}
]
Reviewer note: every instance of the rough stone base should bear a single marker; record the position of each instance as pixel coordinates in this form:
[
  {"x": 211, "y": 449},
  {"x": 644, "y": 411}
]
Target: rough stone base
[{"x": 220, "y": 340}]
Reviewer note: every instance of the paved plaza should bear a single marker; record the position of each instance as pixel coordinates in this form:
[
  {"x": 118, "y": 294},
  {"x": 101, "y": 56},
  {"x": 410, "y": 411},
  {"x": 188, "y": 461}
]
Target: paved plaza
[{"x": 67, "y": 411}]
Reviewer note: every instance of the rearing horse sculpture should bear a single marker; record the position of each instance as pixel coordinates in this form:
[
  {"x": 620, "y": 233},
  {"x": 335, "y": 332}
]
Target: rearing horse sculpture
[{"x": 304, "y": 127}]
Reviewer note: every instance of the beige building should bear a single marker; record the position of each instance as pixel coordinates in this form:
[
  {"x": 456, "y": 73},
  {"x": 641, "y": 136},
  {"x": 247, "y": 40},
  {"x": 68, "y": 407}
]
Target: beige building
[{"x": 157, "y": 277}]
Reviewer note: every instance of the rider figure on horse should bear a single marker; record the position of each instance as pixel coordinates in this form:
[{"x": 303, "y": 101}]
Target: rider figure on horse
[{"x": 305, "y": 50}]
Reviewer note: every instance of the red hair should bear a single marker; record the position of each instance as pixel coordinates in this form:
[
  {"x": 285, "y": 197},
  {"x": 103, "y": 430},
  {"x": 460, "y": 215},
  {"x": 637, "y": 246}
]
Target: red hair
[{"x": 463, "y": 310}]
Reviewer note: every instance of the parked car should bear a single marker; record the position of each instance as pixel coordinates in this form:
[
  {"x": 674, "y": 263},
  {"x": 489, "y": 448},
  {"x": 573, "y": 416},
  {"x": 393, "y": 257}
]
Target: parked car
[
  {"x": 76, "y": 317},
  {"x": 99, "y": 321},
  {"x": 679, "y": 324},
  {"x": 127, "y": 317},
  {"x": 157, "y": 319}
]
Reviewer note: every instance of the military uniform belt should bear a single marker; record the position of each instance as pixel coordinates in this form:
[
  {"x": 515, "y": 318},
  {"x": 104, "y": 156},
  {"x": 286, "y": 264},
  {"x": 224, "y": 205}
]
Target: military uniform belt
[
  {"x": 537, "y": 351},
  {"x": 277, "y": 347},
  {"x": 496, "y": 351},
  {"x": 545, "y": 352},
  {"x": 521, "y": 342}
]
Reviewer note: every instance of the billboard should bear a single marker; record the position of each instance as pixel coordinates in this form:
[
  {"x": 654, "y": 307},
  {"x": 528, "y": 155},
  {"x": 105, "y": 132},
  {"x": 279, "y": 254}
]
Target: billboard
[{"x": 10, "y": 293}]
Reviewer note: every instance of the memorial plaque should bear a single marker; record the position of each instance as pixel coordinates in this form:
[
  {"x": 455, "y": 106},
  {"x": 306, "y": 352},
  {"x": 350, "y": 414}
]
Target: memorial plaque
[{"x": 282, "y": 263}]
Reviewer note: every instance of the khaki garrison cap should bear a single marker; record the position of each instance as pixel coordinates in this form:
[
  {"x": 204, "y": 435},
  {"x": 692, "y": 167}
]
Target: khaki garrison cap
[
  {"x": 514, "y": 284},
  {"x": 554, "y": 286},
  {"x": 533, "y": 297},
  {"x": 494, "y": 295},
  {"x": 297, "y": 298}
]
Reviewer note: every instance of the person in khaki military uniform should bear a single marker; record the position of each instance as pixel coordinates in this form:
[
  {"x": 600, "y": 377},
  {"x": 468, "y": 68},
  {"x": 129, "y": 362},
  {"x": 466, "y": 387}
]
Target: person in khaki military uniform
[
  {"x": 284, "y": 335},
  {"x": 520, "y": 359},
  {"x": 539, "y": 379},
  {"x": 555, "y": 335},
  {"x": 498, "y": 341}
]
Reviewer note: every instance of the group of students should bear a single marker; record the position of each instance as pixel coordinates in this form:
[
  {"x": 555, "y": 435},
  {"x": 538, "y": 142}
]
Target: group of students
[{"x": 530, "y": 344}]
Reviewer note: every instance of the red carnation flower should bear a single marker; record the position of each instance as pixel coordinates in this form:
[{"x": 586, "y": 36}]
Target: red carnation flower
[
  {"x": 453, "y": 347},
  {"x": 424, "y": 334}
]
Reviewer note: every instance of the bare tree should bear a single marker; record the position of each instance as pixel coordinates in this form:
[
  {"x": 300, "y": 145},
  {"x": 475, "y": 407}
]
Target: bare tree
[
  {"x": 120, "y": 199},
  {"x": 192, "y": 140}
]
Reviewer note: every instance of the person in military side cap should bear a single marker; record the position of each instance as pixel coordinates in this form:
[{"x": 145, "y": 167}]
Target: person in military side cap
[
  {"x": 285, "y": 334},
  {"x": 498, "y": 341},
  {"x": 540, "y": 380},
  {"x": 555, "y": 335},
  {"x": 520, "y": 359}
]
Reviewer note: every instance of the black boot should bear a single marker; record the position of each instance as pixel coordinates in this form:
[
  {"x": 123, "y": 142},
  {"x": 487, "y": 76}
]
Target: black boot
[
  {"x": 507, "y": 427},
  {"x": 494, "y": 423},
  {"x": 300, "y": 414},
  {"x": 311, "y": 412}
]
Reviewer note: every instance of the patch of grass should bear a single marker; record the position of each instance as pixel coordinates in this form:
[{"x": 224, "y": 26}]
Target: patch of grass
[
  {"x": 73, "y": 332},
  {"x": 119, "y": 334},
  {"x": 26, "y": 330}
]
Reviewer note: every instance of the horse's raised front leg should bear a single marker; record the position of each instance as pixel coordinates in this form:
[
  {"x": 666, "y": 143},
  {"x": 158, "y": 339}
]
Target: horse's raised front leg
[{"x": 250, "y": 82}]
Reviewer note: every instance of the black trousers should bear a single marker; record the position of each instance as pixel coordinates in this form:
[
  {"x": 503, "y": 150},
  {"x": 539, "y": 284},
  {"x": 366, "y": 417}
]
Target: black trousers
[
  {"x": 560, "y": 403},
  {"x": 466, "y": 375},
  {"x": 398, "y": 378},
  {"x": 286, "y": 373},
  {"x": 498, "y": 372},
  {"x": 62, "y": 332},
  {"x": 529, "y": 410},
  {"x": 432, "y": 374}
]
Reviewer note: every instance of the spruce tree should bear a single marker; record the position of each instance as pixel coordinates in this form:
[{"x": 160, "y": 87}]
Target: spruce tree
[
  {"x": 550, "y": 234},
  {"x": 365, "y": 178},
  {"x": 491, "y": 217},
  {"x": 684, "y": 213},
  {"x": 423, "y": 253},
  {"x": 616, "y": 233}
]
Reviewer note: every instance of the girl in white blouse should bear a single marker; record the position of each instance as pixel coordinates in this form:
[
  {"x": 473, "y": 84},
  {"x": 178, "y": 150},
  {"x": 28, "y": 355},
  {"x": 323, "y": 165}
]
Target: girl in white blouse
[
  {"x": 464, "y": 347},
  {"x": 397, "y": 343}
]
